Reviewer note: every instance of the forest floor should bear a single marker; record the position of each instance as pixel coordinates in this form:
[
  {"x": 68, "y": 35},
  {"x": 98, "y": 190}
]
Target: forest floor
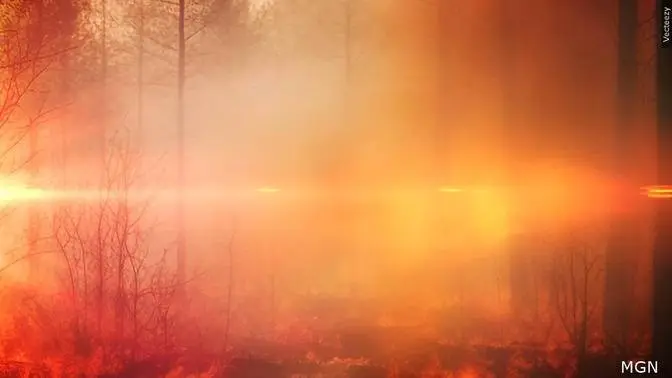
[
  {"x": 317, "y": 347},
  {"x": 363, "y": 352}
]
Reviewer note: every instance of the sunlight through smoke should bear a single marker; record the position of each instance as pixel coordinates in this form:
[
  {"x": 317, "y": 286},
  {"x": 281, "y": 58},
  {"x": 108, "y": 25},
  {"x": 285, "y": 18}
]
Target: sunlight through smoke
[
  {"x": 19, "y": 193},
  {"x": 268, "y": 189},
  {"x": 450, "y": 189}
]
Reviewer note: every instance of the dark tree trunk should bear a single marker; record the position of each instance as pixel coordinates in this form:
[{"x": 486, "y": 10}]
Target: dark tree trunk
[
  {"x": 141, "y": 72},
  {"x": 524, "y": 261},
  {"x": 181, "y": 232},
  {"x": 101, "y": 133},
  {"x": 345, "y": 212},
  {"x": 662, "y": 255},
  {"x": 618, "y": 290},
  {"x": 37, "y": 39},
  {"x": 520, "y": 279},
  {"x": 441, "y": 142},
  {"x": 66, "y": 94}
]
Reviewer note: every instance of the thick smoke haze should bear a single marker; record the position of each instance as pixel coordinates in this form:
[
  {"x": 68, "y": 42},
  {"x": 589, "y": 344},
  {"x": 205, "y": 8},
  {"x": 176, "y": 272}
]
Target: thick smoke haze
[
  {"x": 390, "y": 152},
  {"x": 271, "y": 114}
]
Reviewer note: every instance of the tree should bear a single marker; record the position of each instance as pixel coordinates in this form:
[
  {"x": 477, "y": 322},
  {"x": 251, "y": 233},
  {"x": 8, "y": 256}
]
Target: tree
[
  {"x": 32, "y": 36},
  {"x": 619, "y": 280},
  {"x": 348, "y": 124},
  {"x": 575, "y": 280},
  {"x": 325, "y": 34},
  {"x": 149, "y": 22},
  {"x": 104, "y": 65},
  {"x": 440, "y": 88},
  {"x": 181, "y": 61},
  {"x": 202, "y": 16},
  {"x": 520, "y": 253},
  {"x": 133, "y": 314},
  {"x": 141, "y": 65},
  {"x": 100, "y": 135},
  {"x": 37, "y": 37}
]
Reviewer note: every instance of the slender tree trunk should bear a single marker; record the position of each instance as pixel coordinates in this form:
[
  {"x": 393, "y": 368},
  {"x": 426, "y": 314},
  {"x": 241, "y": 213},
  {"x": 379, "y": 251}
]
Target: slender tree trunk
[
  {"x": 618, "y": 279},
  {"x": 64, "y": 121},
  {"x": 274, "y": 257},
  {"x": 440, "y": 141},
  {"x": 36, "y": 43},
  {"x": 347, "y": 239},
  {"x": 33, "y": 210},
  {"x": 181, "y": 232},
  {"x": 438, "y": 135},
  {"x": 662, "y": 256},
  {"x": 229, "y": 289},
  {"x": 522, "y": 279},
  {"x": 141, "y": 73},
  {"x": 121, "y": 284},
  {"x": 101, "y": 135},
  {"x": 519, "y": 250},
  {"x": 347, "y": 48},
  {"x": 123, "y": 233},
  {"x": 441, "y": 138},
  {"x": 274, "y": 290},
  {"x": 103, "y": 75}
]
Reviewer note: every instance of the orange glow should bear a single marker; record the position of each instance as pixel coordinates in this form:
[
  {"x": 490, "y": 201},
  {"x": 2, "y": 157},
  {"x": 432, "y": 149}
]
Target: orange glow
[
  {"x": 14, "y": 192},
  {"x": 338, "y": 188},
  {"x": 658, "y": 191},
  {"x": 450, "y": 189},
  {"x": 268, "y": 189}
]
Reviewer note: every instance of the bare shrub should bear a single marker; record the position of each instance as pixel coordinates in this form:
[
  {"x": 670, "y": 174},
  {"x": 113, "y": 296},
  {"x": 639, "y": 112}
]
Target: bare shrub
[
  {"x": 112, "y": 297},
  {"x": 576, "y": 281}
]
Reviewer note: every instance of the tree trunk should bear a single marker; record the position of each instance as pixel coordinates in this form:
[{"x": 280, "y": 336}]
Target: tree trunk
[
  {"x": 618, "y": 293},
  {"x": 103, "y": 76},
  {"x": 440, "y": 140},
  {"x": 66, "y": 93},
  {"x": 141, "y": 72},
  {"x": 662, "y": 256},
  {"x": 36, "y": 42},
  {"x": 345, "y": 217},
  {"x": 181, "y": 232},
  {"x": 522, "y": 263},
  {"x": 140, "y": 144},
  {"x": 519, "y": 249}
]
